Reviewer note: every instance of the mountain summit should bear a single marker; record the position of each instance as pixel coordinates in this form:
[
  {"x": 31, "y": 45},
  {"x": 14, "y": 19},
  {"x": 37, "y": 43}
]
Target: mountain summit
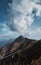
[{"x": 22, "y": 51}]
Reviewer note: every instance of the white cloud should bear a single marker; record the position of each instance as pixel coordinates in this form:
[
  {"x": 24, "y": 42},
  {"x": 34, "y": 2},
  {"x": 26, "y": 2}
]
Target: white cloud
[
  {"x": 37, "y": 1},
  {"x": 35, "y": 34},
  {"x": 21, "y": 16},
  {"x": 6, "y": 33},
  {"x": 7, "y": 36}
]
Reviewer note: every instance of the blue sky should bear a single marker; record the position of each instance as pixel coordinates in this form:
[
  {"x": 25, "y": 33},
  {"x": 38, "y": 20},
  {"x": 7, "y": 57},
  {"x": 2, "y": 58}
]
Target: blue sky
[
  {"x": 20, "y": 17},
  {"x": 3, "y": 9}
]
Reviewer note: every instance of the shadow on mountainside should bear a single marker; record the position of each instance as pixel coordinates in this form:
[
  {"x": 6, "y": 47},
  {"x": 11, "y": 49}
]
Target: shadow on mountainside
[{"x": 30, "y": 55}]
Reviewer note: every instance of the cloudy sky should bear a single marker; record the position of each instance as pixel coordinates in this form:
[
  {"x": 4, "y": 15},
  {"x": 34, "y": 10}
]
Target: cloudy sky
[{"x": 20, "y": 17}]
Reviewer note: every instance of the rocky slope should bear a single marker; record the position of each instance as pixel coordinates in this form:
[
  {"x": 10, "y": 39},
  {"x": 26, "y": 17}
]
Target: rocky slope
[{"x": 22, "y": 51}]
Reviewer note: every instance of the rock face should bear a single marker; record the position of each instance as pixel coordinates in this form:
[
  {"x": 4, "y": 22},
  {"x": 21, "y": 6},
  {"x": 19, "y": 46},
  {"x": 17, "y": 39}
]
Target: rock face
[{"x": 22, "y": 51}]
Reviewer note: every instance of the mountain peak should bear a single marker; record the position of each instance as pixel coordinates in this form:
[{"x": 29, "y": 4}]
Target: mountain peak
[
  {"x": 21, "y": 36},
  {"x": 26, "y": 50}
]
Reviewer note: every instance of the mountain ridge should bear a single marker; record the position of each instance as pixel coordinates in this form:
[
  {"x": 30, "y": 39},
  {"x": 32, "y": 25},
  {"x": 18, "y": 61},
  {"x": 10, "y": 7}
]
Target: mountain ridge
[{"x": 24, "y": 49}]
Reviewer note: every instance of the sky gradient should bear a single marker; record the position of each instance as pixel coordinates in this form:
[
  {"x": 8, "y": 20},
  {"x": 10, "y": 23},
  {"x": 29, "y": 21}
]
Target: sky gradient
[{"x": 20, "y": 17}]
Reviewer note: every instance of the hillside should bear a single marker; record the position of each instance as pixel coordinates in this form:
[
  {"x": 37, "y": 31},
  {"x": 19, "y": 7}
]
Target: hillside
[{"x": 22, "y": 51}]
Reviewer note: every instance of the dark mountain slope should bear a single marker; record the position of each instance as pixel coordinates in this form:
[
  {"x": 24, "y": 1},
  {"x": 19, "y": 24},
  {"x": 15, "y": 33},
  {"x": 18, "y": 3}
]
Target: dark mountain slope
[{"x": 22, "y": 51}]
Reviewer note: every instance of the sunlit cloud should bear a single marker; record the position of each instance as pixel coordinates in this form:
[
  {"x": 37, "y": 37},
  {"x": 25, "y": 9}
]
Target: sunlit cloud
[
  {"x": 22, "y": 16},
  {"x": 6, "y": 33}
]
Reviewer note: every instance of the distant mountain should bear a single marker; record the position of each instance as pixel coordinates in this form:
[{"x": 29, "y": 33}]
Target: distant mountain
[
  {"x": 4, "y": 42},
  {"x": 21, "y": 51}
]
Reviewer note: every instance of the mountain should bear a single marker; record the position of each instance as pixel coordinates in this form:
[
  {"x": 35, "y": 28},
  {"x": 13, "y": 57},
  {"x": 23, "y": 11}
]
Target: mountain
[
  {"x": 22, "y": 51},
  {"x": 4, "y": 42}
]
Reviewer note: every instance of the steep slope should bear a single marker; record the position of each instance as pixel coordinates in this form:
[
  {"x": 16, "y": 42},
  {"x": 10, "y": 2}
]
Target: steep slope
[
  {"x": 19, "y": 43},
  {"x": 22, "y": 51}
]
